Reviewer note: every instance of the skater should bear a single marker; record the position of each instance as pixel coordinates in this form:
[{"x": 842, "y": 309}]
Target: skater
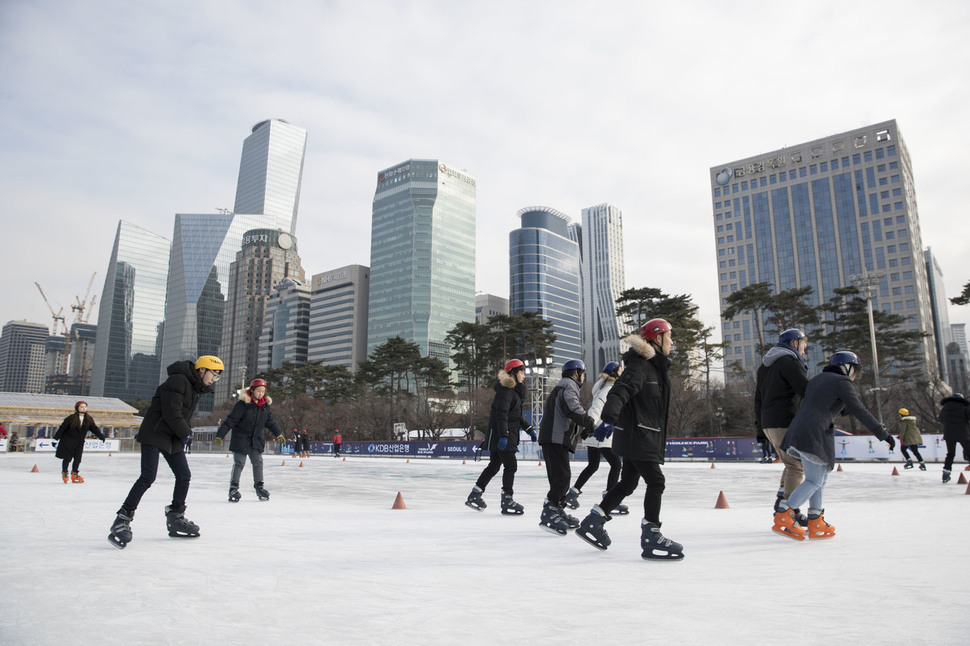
[
  {"x": 780, "y": 387},
  {"x": 162, "y": 431},
  {"x": 305, "y": 439},
  {"x": 69, "y": 438},
  {"x": 955, "y": 416},
  {"x": 811, "y": 439},
  {"x": 596, "y": 449},
  {"x": 502, "y": 437},
  {"x": 564, "y": 420},
  {"x": 910, "y": 439},
  {"x": 636, "y": 410},
  {"x": 247, "y": 419},
  {"x": 765, "y": 444},
  {"x": 337, "y": 442}
]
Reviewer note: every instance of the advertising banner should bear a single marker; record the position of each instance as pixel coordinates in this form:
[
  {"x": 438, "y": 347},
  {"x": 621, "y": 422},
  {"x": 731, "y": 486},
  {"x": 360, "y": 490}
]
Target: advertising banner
[{"x": 47, "y": 444}]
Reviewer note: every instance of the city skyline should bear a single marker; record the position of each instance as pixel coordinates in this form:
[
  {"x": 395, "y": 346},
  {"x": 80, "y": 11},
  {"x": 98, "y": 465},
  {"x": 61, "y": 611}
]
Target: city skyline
[{"x": 675, "y": 94}]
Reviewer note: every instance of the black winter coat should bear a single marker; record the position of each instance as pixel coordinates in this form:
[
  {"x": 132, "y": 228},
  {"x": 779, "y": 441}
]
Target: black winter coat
[
  {"x": 166, "y": 423},
  {"x": 639, "y": 403},
  {"x": 70, "y": 435},
  {"x": 505, "y": 418},
  {"x": 782, "y": 379},
  {"x": 956, "y": 419},
  {"x": 247, "y": 421}
]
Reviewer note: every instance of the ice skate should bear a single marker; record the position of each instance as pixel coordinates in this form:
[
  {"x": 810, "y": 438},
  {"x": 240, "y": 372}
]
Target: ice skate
[
  {"x": 261, "y": 493},
  {"x": 800, "y": 518},
  {"x": 922, "y": 466},
  {"x": 817, "y": 527},
  {"x": 475, "y": 500},
  {"x": 787, "y": 526},
  {"x": 75, "y": 477},
  {"x": 234, "y": 495},
  {"x": 908, "y": 465},
  {"x": 510, "y": 507},
  {"x": 571, "y": 521},
  {"x": 178, "y": 525},
  {"x": 572, "y": 498},
  {"x": 120, "y": 534},
  {"x": 619, "y": 510},
  {"x": 551, "y": 521},
  {"x": 64, "y": 476},
  {"x": 656, "y": 546},
  {"x": 946, "y": 476},
  {"x": 592, "y": 529}
]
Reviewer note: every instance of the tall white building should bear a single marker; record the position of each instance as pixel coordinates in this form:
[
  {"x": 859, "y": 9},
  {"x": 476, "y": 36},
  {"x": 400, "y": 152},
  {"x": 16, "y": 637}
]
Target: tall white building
[
  {"x": 487, "y": 305},
  {"x": 271, "y": 172},
  {"x": 603, "y": 279},
  {"x": 338, "y": 316}
]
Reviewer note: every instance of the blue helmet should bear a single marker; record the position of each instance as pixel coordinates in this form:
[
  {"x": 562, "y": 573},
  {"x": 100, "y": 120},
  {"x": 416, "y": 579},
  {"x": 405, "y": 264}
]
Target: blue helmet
[
  {"x": 845, "y": 360},
  {"x": 611, "y": 368},
  {"x": 788, "y": 336},
  {"x": 573, "y": 364}
]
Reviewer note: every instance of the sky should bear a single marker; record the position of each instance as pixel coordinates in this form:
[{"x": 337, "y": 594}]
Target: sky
[
  {"x": 326, "y": 560},
  {"x": 114, "y": 110}
]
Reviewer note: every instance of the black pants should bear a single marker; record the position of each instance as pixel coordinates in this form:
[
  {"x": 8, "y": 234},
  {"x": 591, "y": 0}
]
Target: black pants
[
  {"x": 951, "y": 451},
  {"x": 633, "y": 471},
  {"x": 912, "y": 447},
  {"x": 179, "y": 465},
  {"x": 593, "y": 458},
  {"x": 557, "y": 470},
  {"x": 67, "y": 461},
  {"x": 496, "y": 460}
]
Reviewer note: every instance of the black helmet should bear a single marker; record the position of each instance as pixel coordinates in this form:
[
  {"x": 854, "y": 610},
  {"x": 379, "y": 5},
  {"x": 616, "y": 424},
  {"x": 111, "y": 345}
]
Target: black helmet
[
  {"x": 573, "y": 364},
  {"x": 788, "y": 336},
  {"x": 611, "y": 368},
  {"x": 845, "y": 360}
]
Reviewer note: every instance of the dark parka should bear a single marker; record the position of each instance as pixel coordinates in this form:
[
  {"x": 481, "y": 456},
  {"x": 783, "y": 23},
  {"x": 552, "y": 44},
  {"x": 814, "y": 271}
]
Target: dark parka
[
  {"x": 812, "y": 433},
  {"x": 247, "y": 421},
  {"x": 166, "y": 423},
  {"x": 955, "y": 417},
  {"x": 639, "y": 403},
  {"x": 505, "y": 418},
  {"x": 780, "y": 388},
  {"x": 71, "y": 433}
]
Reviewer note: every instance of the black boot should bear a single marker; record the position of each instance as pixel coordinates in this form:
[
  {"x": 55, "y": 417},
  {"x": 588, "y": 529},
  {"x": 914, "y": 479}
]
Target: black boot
[
  {"x": 592, "y": 530},
  {"x": 656, "y": 546},
  {"x": 261, "y": 493},
  {"x": 178, "y": 525},
  {"x": 234, "y": 495},
  {"x": 120, "y": 534}
]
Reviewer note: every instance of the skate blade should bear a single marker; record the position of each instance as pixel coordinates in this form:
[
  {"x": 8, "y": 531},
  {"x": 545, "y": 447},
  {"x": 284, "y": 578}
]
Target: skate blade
[
  {"x": 624, "y": 512},
  {"x": 794, "y": 537},
  {"x": 666, "y": 556},
  {"x": 510, "y": 512},
  {"x": 473, "y": 506},
  {"x": 554, "y": 530},
  {"x": 592, "y": 541},
  {"x": 117, "y": 543},
  {"x": 177, "y": 535}
]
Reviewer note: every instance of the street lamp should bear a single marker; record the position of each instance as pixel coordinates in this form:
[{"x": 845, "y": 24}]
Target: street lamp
[{"x": 865, "y": 283}]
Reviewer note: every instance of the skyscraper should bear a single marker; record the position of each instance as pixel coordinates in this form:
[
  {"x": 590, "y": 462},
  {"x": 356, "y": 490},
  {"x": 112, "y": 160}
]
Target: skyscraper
[
  {"x": 487, "y": 305},
  {"x": 338, "y": 316},
  {"x": 942, "y": 334},
  {"x": 23, "y": 357},
  {"x": 819, "y": 214},
  {"x": 286, "y": 325},
  {"x": 422, "y": 255},
  {"x": 129, "y": 338},
  {"x": 544, "y": 276},
  {"x": 271, "y": 173},
  {"x": 603, "y": 279}
]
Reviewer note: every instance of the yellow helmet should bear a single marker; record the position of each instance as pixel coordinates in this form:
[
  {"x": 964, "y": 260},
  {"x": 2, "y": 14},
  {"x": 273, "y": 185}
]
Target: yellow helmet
[
  {"x": 904, "y": 412},
  {"x": 209, "y": 362}
]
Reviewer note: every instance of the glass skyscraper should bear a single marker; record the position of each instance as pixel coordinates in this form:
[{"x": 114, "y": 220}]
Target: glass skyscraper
[
  {"x": 544, "y": 276},
  {"x": 821, "y": 214},
  {"x": 130, "y": 318},
  {"x": 23, "y": 354},
  {"x": 271, "y": 172},
  {"x": 603, "y": 279},
  {"x": 286, "y": 325},
  {"x": 422, "y": 255}
]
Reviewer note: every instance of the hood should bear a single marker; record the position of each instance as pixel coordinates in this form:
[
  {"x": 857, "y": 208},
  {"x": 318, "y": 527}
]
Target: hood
[
  {"x": 955, "y": 400},
  {"x": 505, "y": 380},
  {"x": 779, "y": 351},
  {"x": 907, "y": 417},
  {"x": 246, "y": 397},
  {"x": 640, "y": 347}
]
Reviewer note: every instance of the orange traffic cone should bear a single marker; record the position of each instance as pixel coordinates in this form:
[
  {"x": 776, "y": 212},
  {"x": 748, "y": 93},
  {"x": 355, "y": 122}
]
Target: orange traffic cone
[
  {"x": 35, "y": 469},
  {"x": 895, "y": 471},
  {"x": 301, "y": 464},
  {"x": 712, "y": 465},
  {"x": 540, "y": 463},
  {"x": 962, "y": 480},
  {"x": 399, "y": 502},
  {"x": 840, "y": 468},
  {"x": 344, "y": 460},
  {"x": 968, "y": 490},
  {"x": 284, "y": 463},
  {"x": 463, "y": 462},
  {"x": 408, "y": 461},
  {"x": 722, "y": 502}
]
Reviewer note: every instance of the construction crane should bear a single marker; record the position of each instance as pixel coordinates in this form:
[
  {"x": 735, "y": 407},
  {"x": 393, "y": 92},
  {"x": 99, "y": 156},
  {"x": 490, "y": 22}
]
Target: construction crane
[
  {"x": 81, "y": 306},
  {"x": 58, "y": 316}
]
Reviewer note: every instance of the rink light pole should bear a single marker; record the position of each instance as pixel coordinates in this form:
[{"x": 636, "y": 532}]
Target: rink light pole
[{"x": 865, "y": 283}]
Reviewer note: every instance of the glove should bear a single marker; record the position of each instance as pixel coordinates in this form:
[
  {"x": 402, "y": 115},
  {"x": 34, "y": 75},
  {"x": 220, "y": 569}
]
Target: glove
[
  {"x": 532, "y": 434},
  {"x": 281, "y": 439},
  {"x": 218, "y": 441},
  {"x": 502, "y": 443},
  {"x": 891, "y": 442},
  {"x": 603, "y": 431},
  {"x": 54, "y": 444}
]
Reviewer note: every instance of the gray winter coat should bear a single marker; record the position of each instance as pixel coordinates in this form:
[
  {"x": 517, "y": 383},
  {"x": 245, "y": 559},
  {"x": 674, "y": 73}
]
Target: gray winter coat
[{"x": 563, "y": 417}]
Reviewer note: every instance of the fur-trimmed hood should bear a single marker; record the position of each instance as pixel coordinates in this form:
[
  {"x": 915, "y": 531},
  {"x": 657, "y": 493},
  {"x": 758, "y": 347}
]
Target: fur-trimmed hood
[
  {"x": 506, "y": 380},
  {"x": 246, "y": 397},
  {"x": 640, "y": 346}
]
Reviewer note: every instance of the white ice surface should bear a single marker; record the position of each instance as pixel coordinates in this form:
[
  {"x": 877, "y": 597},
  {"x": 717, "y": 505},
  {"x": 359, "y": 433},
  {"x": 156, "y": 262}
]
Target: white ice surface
[{"x": 327, "y": 561}]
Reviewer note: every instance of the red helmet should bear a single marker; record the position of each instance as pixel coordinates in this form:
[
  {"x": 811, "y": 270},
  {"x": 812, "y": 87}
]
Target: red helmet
[
  {"x": 654, "y": 328},
  {"x": 257, "y": 382},
  {"x": 512, "y": 364}
]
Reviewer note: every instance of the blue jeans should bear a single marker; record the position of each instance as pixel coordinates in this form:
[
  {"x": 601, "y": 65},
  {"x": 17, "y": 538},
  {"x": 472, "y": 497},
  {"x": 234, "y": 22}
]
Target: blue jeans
[
  {"x": 149, "y": 469},
  {"x": 810, "y": 490}
]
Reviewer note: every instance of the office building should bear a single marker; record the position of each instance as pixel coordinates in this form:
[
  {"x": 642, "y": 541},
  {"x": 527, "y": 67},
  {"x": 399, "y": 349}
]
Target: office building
[
  {"x": 822, "y": 214},
  {"x": 422, "y": 255},
  {"x": 940, "y": 316},
  {"x": 488, "y": 305},
  {"x": 127, "y": 348},
  {"x": 23, "y": 357},
  {"x": 544, "y": 277},
  {"x": 603, "y": 280},
  {"x": 338, "y": 316},
  {"x": 271, "y": 173},
  {"x": 286, "y": 326}
]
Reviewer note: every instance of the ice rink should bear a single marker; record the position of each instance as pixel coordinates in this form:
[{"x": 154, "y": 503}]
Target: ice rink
[{"x": 328, "y": 561}]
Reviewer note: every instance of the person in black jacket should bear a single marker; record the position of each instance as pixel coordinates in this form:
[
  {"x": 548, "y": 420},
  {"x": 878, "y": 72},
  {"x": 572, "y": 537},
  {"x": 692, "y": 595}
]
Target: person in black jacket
[
  {"x": 248, "y": 418},
  {"x": 955, "y": 416},
  {"x": 163, "y": 432},
  {"x": 70, "y": 439},
  {"x": 502, "y": 438},
  {"x": 780, "y": 388},
  {"x": 636, "y": 410}
]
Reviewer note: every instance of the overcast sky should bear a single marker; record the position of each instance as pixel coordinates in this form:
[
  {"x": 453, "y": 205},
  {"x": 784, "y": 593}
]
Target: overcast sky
[{"x": 118, "y": 110}]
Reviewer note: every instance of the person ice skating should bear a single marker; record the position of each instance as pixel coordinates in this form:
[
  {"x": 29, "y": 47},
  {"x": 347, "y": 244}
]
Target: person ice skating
[
  {"x": 247, "y": 419},
  {"x": 3, "y": 431},
  {"x": 502, "y": 438},
  {"x": 811, "y": 439},
  {"x": 305, "y": 441},
  {"x": 70, "y": 439},
  {"x": 636, "y": 412},
  {"x": 781, "y": 381},
  {"x": 910, "y": 438},
  {"x": 955, "y": 416},
  {"x": 162, "y": 431},
  {"x": 766, "y": 451},
  {"x": 596, "y": 449},
  {"x": 564, "y": 420},
  {"x": 337, "y": 442}
]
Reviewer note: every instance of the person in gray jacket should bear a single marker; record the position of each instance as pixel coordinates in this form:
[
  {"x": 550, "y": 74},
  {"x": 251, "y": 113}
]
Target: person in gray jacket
[{"x": 811, "y": 439}]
